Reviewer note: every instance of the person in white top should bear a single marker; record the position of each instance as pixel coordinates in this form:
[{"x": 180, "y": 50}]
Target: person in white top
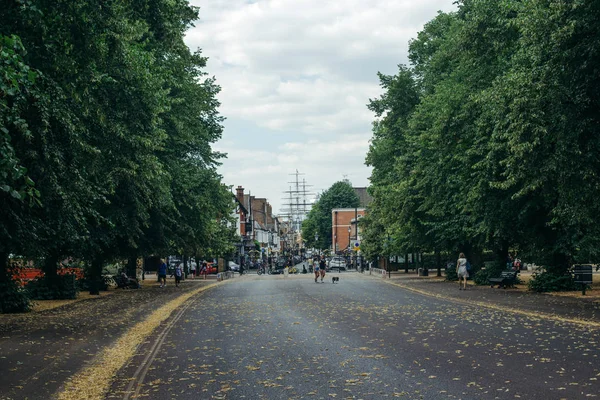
[
  {"x": 193, "y": 269},
  {"x": 461, "y": 271}
]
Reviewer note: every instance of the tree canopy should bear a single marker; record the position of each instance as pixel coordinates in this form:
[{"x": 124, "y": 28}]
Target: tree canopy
[
  {"x": 489, "y": 138},
  {"x": 106, "y": 125},
  {"x": 318, "y": 222}
]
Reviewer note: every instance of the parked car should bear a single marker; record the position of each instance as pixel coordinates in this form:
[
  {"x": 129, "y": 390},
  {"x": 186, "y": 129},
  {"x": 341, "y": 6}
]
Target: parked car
[
  {"x": 338, "y": 263},
  {"x": 233, "y": 266},
  {"x": 212, "y": 268}
]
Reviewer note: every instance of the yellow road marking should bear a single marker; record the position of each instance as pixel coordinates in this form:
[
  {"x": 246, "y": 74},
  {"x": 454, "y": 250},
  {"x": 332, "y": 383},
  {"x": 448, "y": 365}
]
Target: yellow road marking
[{"x": 93, "y": 382}]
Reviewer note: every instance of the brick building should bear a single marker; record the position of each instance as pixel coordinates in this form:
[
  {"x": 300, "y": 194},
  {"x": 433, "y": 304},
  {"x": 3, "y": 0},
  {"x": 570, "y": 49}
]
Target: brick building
[
  {"x": 345, "y": 231},
  {"x": 257, "y": 223}
]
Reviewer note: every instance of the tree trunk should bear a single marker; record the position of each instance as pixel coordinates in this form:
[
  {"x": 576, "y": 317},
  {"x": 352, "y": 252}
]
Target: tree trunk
[
  {"x": 438, "y": 262},
  {"x": 50, "y": 269},
  {"x": 185, "y": 266},
  {"x": 501, "y": 255},
  {"x": 132, "y": 266},
  {"x": 4, "y": 270},
  {"x": 96, "y": 275},
  {"x": 406, "y": 263},
  {"x": 560, "y": 264},
  {"x": 468, "y": 250}
]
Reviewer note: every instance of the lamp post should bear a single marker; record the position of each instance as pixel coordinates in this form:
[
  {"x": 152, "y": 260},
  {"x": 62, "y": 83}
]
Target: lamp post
[
  {"x": 387, "y": 262},
  {"x": 335, "y": 248},
  {"x": 349, "y": 256},
  {"x": 270, "y": 252}
]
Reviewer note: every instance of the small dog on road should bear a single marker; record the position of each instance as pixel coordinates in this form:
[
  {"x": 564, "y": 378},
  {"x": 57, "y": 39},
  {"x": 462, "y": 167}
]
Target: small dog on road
[{"x": 335, "y": 279}]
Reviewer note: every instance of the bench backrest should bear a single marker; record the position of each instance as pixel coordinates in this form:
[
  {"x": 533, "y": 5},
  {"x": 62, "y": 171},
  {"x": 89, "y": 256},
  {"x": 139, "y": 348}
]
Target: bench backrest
[{"x": 509, "y": 274}]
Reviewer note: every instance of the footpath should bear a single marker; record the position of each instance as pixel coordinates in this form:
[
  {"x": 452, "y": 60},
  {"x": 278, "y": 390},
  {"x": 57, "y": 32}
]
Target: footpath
[
  {"x": 570, "y": 306},
  {"x": 39, "y": 351}
]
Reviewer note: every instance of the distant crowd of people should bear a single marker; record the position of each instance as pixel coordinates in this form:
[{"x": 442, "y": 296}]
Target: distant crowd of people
[{"x": 177, "y": 271}]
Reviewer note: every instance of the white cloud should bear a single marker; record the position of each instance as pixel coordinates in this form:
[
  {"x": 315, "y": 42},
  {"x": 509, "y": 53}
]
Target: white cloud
[{"x": 296, "y": 76}]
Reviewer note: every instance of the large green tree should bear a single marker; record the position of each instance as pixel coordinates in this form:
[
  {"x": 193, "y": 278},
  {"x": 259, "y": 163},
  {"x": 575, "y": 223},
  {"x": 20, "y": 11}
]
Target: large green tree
[
  {"x": 319, "y": 221},
  {"x": 106, "y": 125},
  {"x": 488, "y": 140}
]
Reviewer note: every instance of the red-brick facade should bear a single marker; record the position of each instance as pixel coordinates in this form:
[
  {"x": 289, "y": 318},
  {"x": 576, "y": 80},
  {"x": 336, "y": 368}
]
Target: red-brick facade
[{"x": 341, "y": 220}]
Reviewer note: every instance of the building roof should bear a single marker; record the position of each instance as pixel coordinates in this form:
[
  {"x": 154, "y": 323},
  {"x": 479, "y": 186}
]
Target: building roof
[{"x": 242, "y": 206}]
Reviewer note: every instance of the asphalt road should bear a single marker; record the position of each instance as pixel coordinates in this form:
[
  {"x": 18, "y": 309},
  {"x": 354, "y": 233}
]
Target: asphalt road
[{"x": 273, "y": 338}]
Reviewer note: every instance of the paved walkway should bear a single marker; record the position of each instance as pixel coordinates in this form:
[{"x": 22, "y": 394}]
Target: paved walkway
[
  {"x": 572, "y": 306},
  {"x": 39, "y": 351}
]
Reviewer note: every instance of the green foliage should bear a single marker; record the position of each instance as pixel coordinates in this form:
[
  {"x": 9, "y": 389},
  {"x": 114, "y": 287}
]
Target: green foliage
[
  {"x": 545, "y": 281},
  {"x": 87, "y": 282},
  {"x": 482, "y": 276},
  {"x": 16, "y": 84},
  {"x": 318, "y": 223},
  {"x": 489, "y": 138},
  {"x": 62, "y": 287},
  {"x": 491, "y": 269},
  {"x": 106, "y": 131},
  {"x": 451, "y": 274},
  {"x": 13, "y": 298}
]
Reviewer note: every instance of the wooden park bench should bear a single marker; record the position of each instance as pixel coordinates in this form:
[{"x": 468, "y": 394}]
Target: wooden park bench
[{"x": 506, "y": 279}]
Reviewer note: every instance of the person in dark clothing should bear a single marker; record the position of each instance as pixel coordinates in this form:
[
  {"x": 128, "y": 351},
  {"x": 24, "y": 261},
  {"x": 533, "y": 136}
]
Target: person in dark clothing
[
  {"x": 162, "y": 274},
  {"x": 322, "y": 267}
]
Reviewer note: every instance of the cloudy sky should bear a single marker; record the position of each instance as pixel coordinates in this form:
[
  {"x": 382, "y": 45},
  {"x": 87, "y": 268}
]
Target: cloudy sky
[{"x": 296, "y": 76}]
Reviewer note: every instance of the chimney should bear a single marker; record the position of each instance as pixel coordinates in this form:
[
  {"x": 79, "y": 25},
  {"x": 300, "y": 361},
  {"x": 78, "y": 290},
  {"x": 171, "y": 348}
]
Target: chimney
[{"x": 239, "y": 193}]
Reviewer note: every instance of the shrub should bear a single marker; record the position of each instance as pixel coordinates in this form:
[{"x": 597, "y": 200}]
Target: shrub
[
  {"x": 13, "y": 298},
  {"x": 62, "y": 288},
  {"x": 544, "y": 281},
  {"x": 451, "y": 274},
  {"x": 482, "y": 276},
  {"x": 85, "y": 283}
]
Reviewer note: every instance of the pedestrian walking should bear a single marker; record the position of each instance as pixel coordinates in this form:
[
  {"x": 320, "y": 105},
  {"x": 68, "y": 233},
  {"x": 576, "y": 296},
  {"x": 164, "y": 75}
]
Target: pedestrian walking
[
  {"x": 162, "y": 274},
  {"x": 316, "y": 269},
  {"x": 461, "y": 271},
  {"x": 193, "y": 269},
  {"x": 322, "y": 267},
  {"x": 203, "y": 271},
  {"x": 178, "y": 274}
]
